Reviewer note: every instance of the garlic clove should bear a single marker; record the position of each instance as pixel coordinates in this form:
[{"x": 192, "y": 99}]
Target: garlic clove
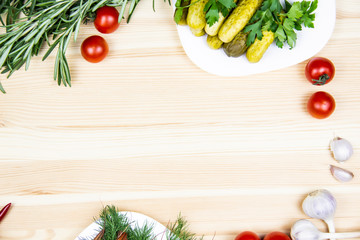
[
  {"x": 341, "y": 149},
  {"x": 340, "y": 174},
  {"x": 319, "y": 204}
]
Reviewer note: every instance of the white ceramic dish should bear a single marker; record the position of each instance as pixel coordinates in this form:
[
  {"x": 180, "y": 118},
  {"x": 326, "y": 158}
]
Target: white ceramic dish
[
  {"x": 309, "y": 43},
  {"x": 135, "y": 218}
]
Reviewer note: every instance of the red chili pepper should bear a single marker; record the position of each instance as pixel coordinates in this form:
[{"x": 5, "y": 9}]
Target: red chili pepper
[{"x": 4, "y": 211}]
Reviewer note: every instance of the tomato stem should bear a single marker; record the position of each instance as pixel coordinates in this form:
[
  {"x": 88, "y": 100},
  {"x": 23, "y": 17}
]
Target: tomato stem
[{"x": 322, "y": 80}]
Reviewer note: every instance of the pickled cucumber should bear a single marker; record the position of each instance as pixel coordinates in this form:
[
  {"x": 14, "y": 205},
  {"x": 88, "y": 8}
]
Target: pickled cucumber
[
  {"x": 196, "y": 15},
  {"x": 237, "y": 46},
  {"x": 198, "y": 32},
  {"x": 214, "y": 42},
  {"x": 238, "y": 19},
  {"x": 259, "y": 47}
]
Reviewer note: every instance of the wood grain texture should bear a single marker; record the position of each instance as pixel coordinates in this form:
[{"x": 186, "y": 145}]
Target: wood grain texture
[{"x": 148, "y": 131}]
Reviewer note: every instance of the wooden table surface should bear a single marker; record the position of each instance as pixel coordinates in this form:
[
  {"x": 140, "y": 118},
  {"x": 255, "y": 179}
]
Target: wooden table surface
[{"x": 148, "y": 131}]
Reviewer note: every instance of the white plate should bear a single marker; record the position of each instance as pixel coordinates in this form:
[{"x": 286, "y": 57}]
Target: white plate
[
  {"x": 310, "y": 41},
  {"x": 135, "y": 218}
]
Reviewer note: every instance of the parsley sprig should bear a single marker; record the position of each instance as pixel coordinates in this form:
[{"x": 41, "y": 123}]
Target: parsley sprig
[
  {"x": 214, "y": 7},
  {"x": 283, "y": 21}
]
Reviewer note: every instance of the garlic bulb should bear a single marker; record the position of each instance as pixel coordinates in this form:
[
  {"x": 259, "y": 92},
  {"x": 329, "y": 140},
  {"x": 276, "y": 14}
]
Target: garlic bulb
[
  {"x": 340, "y": 174},
  {"x": 341, "y": 149},
  {"x": 304, "y": 230},
  {"x": 321, "y": 204}
]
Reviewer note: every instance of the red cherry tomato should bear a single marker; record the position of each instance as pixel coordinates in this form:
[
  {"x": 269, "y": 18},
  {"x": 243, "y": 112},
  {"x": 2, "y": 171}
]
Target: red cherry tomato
[
  {"x": 276, "y": 236},
  {"x": 247, "y": 235},
  {"x": 94, "y": 49},
  {"x": 321, "y": 105},
  {"x": 107, "y": 19},
  {"x": 319, "y": 71}
]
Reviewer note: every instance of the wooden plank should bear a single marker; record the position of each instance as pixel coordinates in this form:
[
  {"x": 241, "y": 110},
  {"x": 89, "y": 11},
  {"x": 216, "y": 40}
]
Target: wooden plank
[{"x": 148, "y": 131}]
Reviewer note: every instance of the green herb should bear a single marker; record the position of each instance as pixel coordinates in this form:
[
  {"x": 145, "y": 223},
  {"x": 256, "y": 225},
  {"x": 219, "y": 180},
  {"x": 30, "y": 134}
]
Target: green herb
[
  {"x": 114, "y": 225},
  {"x": 179, "y": 231},
  {"x": 29, "y": 24},
  {"x": 179, "y": 11},
  {"x": 214, "y": 7},
  {"x": 283, "y": 21},
  {"x": 181, "y": 6}
]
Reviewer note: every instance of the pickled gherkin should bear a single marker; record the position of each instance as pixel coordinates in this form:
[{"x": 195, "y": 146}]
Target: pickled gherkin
[
  {"x": 238, "y": 19},
  {"x": 196, "y": 14},
  {"x": 259, "y": 47},
  {"x": 214, "y": 42},
  {"x": 237, "y": 46},
  {"x": 197, "y": 32}
]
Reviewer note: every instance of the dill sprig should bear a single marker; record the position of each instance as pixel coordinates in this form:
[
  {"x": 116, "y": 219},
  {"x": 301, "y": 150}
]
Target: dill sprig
[
  {"x": 179, "y": 230},
  {"x": 114, "y": 223},
  {"x": 31, "y": 23},
  {"x": 141, "y": 233}
]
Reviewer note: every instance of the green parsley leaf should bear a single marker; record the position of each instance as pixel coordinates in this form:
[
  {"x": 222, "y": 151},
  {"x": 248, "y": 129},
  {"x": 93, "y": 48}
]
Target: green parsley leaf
[
  {"x": 212, "y": 13},
  {"x": 287, "y": 6},
  {"x": 214, "y": 7},
  {"x": 280, "y": 36},
  {"x": 283, "y": 21},
  {"x": 295, "y": 11},
  {"x": 227, "y": 4},
  {"x": 308, "y": 20},
  {"x": 313, "y": 6},
  {"x": 308, "y": 8},
  {"x": 266, "y": 26},
  {"x": 254, "y": 32},
  {"x": 290, "y": 33}
]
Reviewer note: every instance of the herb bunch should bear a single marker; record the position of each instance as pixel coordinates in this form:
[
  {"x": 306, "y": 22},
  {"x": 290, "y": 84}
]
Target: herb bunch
[
  {"x": 29, "y": 24},
  {"x": 114, "y": 225},
  {"x": 283, "y": 21}
]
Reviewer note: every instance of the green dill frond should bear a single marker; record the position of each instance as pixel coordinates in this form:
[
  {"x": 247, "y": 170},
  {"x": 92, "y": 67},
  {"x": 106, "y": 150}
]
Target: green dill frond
[
  {"x": 179, "y": 230},
  {"x": 113, "y": 222},
  {"x": 142, "y": 233}
]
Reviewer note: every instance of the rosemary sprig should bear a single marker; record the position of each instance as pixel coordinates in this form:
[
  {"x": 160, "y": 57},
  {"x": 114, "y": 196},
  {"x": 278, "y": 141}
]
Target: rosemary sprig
[{"x": 31, "y": 23}]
